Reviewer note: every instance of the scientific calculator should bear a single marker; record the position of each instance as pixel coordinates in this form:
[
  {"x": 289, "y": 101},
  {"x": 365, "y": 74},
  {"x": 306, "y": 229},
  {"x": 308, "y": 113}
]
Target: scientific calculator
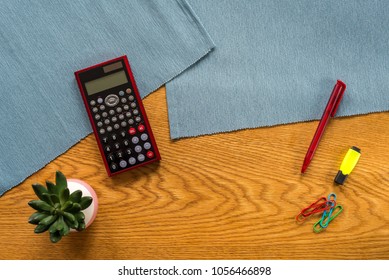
[{"x": 117, "y": 115}]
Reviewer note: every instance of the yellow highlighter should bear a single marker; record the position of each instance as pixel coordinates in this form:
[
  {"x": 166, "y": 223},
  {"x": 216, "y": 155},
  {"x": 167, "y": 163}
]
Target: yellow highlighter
[{"x": 348, "y": 164}]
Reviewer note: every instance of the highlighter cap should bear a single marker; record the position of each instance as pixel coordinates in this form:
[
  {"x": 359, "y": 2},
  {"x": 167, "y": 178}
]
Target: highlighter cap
[{"x": 340, "y": 178}]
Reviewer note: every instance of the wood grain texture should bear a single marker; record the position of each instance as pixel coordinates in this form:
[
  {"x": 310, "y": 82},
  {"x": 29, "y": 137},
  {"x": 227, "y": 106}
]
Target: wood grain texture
[{"x": 225, "y": 196}]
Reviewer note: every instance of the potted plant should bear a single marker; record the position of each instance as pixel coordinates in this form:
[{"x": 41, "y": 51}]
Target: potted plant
[{"x": 61, "y": 211}]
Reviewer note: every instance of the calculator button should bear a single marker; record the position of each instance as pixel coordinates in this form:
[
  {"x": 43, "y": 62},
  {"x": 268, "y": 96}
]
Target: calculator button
[
  {"x": 114, "y": 166},
  {"x": 111, "y": 100},
  {"x": 104, "y": 114},
  {"x": 111, "y": 112},
  {"x": 124, "y": 100},
  {"x": 132, "y": 131},
  {"x": 102, "y": 131},
  {"x": 121, "y": 93},
  {"x": 106, "y": 121},
  {"x": 109, "y": 128},
  {"x": 123, "y": 124},
  {"x": 99, "y": 100},
  {"x": 141, "y": 157},
  {"x": 97, "y": 117},
  {"x": 144, "y": 137},
  {"x": 119, "y": 110},
  {"x": 128, "y": 115},
  {"x": 114, "y": 137},
  {"x": 126, "y": 142},
  {"x": 107, "y": 149},
  {"x": 135, "y": 140},
  {"x": 147, "y": 145},
  {"x": 105, "y": 140},
  {"x": 95, "y": 110},
  {"x": 128, "y": 90},
  {"x": 138, "y": 148},
  {"x": 126, "y": 107},
  {"x": 117, "y": 146},
  {"x": 99, "y": 124},
  {"x": 135, "y": 112},
  {"x": 114, "y": 119},
  {"x": 141, "y": 128},
  {"x": 138, "y": 119},
  {"x": 131, "y": 98},
  {"x": 111, "y": 157},
  {"x": 128, "y": 151},
  {"x": 130, "y": 121},
  {"x": 123, "y": 133},
  {"x": 116, "y": 126},
  {"x": 123, "y": 163},
  {"x": 133, "y": 105},
  {"x": 119, "y": 154},
  {"x": 121, "y": 117},
  {"x": 102, "y": 107},
  {"x": 92, "y": 103},
  {"x": 132, "y": 161},
  {"x": 149, "y": 154}
]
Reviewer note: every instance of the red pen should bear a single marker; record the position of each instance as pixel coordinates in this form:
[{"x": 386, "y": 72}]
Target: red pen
[{"x": 330, "y": 111}]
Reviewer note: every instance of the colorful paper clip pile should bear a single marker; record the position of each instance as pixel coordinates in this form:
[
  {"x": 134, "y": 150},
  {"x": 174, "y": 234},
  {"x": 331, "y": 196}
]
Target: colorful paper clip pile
[{"x": 327, "y": 206}]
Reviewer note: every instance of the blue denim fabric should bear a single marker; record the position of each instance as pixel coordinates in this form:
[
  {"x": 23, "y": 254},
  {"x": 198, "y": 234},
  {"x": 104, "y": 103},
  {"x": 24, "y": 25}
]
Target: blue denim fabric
[
  {"x": 43, "y": 42},
  {"x": 276, "y": 62}
]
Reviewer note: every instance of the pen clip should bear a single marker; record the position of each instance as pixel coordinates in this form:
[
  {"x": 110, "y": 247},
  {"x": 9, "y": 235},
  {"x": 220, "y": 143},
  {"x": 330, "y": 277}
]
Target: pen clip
[{"x": 338, "y": 91}]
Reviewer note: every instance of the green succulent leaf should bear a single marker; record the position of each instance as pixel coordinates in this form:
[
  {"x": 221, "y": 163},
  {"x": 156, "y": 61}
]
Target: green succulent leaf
[
  {"x": 39, "y": 190},
  {"x": 68, "y": 205},
  {"x": 40, "y": 205},
  {"x": 72, "y": 221},
  {"x": 53, "y": 227},
  {"x": 75, "y": 208},
  {"x": 76, "y": 196},
  {"x": 55, "y": 236},
  {"x": 46, "y": 198},
  {"x": 51, "y": 187},
  {"x": 70, "y": 217},
  {"x": 65, "y": 230},
  {"x": 48, "y": 220},
  {"x": 61, "y": 224},
  {"x": 85, "y": 202},
  {"x": 40, "y": 228},
  {"x": 64, "y": 196},
  {"x": 37, "y": 217},
  {"x": 80, "y": 217},
  {"x": 81, "y": 226},
  {"x": 54, "y": 198},
  {"x": 60, "y": 181}
]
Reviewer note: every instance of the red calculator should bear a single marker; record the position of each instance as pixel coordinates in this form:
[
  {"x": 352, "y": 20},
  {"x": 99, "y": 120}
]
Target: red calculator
[{"x": 117, "y": 115}]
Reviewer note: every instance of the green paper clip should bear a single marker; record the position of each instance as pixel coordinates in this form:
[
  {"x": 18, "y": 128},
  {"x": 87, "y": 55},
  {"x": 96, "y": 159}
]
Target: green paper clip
[{"x": 318, "y": 228}]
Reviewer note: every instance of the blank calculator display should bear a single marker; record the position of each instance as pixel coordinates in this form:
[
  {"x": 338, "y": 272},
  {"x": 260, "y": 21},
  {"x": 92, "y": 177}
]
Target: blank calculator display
[{"x": 117, "y": 115}]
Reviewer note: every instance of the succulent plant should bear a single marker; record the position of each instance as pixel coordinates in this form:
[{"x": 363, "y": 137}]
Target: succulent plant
[{"x": 57, "y": 210}]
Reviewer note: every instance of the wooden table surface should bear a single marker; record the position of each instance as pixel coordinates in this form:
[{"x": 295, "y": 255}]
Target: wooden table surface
[{"x": 224, "y": 196}]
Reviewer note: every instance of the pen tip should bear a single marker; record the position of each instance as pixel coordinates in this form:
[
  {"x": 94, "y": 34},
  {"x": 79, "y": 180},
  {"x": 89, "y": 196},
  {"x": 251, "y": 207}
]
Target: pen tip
[{"x": 303, "y": 168}]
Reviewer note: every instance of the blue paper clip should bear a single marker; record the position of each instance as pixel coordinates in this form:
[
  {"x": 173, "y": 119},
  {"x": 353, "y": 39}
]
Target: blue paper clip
[{"x": 325, "y": 218}]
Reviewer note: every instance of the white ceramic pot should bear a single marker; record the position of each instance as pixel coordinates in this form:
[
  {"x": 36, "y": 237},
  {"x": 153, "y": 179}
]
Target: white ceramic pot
[{"x": 90, "y": 212}]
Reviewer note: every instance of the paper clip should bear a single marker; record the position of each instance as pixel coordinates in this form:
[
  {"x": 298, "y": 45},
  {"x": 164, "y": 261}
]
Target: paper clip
[
  {"x": 326, "y": 215},
  {"x": 306, "y": 212},
  {"x": 317, "y": 226}
]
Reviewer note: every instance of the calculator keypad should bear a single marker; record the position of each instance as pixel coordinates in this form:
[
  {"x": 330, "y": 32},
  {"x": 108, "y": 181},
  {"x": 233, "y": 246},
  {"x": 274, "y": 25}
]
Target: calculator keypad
[{"x": 122, "y": 132}]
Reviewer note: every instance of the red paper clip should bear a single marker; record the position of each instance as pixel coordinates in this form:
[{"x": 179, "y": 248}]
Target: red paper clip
[{"x": 321, "y": 205}]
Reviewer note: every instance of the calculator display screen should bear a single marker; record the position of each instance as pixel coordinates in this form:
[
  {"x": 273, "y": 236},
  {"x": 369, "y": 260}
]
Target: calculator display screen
[{"x": 106, "y": 82}]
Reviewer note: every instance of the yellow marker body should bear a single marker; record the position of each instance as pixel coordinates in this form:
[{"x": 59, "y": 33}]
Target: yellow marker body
[{"x": 348, "y": 164}]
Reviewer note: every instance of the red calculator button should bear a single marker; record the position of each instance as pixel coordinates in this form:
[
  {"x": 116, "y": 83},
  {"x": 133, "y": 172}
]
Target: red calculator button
[
  {"x": 132, "y": 131},
  {"x": 141, "y": 128},
  {"x": 150, "y": 154}
]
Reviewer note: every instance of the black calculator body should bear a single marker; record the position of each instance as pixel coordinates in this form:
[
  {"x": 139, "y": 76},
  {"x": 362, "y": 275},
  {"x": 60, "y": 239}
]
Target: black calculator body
[{"x": 117, "y": 115}]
